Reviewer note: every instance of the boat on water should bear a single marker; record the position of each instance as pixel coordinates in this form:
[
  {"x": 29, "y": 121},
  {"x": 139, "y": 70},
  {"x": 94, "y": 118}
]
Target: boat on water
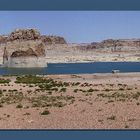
[{"x": 115, "y": 71}]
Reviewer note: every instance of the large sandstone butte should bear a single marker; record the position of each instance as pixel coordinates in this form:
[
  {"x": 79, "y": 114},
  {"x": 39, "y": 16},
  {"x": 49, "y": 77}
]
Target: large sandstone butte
[
  {"x": 23, "y": 48},
  {"x": 29, "y": 54},
  {"x": 26, "y": 48}
]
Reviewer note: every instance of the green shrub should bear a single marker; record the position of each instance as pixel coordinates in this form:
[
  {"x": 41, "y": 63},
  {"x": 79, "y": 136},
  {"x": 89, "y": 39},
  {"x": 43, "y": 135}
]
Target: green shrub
[{"x": 3, "y": 81}]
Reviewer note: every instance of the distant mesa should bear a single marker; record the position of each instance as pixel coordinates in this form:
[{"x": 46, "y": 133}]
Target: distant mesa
[
  {"x": 118, "y": 42},
  {"x": 112, "y": 44}
]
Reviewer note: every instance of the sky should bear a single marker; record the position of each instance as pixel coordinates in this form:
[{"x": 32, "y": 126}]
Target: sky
[{"x": 75, "y": 26}]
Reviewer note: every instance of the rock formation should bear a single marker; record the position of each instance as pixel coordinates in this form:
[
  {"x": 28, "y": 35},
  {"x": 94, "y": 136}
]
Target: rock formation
[
  {"x": 26, "y": 48},
  {"x": 38, "y": 52},
  {"x": 23, "y": 48},
  {"x": 53, "y": 40},
  {"x": 111, "y": 45},
  {"x": 5, "y": 56},
  {"x": 31, "y": 34},
  {"x": 30, "y": 56},
  {"x": 118, "y": 42},
  {"x": 27, "y": 53},
  {"x": 21, "y": 34}
]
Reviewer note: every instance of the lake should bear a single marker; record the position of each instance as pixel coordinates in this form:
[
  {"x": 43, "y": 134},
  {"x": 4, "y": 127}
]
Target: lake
[{"x": 76, "y": 68}]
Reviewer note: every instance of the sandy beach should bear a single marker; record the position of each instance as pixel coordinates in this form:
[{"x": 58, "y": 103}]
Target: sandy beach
[{"x": 84, "y": 101}]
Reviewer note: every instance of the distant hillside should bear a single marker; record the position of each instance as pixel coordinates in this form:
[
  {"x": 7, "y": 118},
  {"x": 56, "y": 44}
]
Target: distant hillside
[{"x": 119, "y": 42}]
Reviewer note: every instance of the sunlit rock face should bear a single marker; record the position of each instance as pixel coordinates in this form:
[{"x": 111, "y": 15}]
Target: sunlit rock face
[
  {"x": 26, "y": 48},
  {"x": 24, "y": 58},
  {"x": 24, "y": 34},
  {"x": 23, "y": 48}
]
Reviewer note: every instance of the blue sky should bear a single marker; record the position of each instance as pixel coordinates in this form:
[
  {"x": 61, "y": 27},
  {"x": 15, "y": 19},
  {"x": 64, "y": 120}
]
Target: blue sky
[{"x": 75, "y": 26}]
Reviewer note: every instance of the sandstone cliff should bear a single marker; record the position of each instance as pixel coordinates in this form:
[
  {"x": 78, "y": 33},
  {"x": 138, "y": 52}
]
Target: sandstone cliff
[
  {"x": 26, "y": 48},
  {"x": 23, "y": 53},
  {"x": 23, "y": 48}
]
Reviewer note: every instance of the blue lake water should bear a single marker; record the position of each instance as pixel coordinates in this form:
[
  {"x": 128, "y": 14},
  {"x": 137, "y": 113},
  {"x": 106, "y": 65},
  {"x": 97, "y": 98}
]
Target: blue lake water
[{"x": 76, "y": 68}]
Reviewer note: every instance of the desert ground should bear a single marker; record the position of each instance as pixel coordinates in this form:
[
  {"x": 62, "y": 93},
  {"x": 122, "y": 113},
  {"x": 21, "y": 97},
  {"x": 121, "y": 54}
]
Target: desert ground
[{"x": 84, "y": 101}]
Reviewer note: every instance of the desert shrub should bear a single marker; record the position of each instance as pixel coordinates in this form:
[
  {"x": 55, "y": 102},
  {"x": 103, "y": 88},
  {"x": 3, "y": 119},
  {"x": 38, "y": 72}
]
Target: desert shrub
[
  {"x": 3, "y": 81},
  {"x": 121, "y": 88},
  {"x": 90, "y": 90},
  {"x": 45, "y": 112},
  {"x": 75, "y": 90},
  {"x": 111, "y": 118},
  {"x": 1, "y": 92},
  {"x": 63, "y": 90},
  {"x": 31, "y": 79},
  {"x": 19, "y": 106},
  {"x": 107, "y": 89}
]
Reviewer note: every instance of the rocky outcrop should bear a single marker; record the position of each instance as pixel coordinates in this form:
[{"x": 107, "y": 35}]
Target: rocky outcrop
[
  {"x": 31, "y": 34},
  {"x": 46, "y": 40},
  {"x": 53, "y": 40},
  {"x": 23, "y": 48},
  {"x": 26, "y": 48},
  {"x": 39, "y": 51},
  {"x": 28, "y": 56},
  {"x": 118, "y": 42},
  {"x": 27, "y": 53},
  {"x": 21, "y": 34},
  {"x": 5, "y": 56},
  {"x": 111, "y": 45}
]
